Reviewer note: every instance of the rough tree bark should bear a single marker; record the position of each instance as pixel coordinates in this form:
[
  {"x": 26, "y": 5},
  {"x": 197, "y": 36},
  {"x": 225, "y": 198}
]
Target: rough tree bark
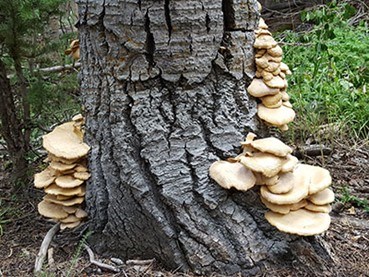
[{"x": 163, "y": 86}]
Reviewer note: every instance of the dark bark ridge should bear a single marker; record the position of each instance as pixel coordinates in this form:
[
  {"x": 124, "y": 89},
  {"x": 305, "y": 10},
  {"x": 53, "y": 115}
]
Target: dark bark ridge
[{"x": 163, "y": 86}]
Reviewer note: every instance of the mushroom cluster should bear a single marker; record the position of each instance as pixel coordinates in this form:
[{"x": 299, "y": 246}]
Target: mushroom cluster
[
  {"x": 73, "y": 49},
  {"x": 296, "y": 194},
  {"x": 270, "y": 84},
  {"x": 64, "y": 178}
]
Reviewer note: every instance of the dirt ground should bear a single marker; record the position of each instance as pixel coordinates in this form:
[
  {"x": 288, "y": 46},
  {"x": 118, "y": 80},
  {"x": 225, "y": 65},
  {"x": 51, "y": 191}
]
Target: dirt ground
[{"x": 23, "y": 229}]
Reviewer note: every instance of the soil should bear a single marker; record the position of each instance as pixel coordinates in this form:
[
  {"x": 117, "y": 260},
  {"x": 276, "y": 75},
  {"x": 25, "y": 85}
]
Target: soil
[{"x": 348, "y": 237}]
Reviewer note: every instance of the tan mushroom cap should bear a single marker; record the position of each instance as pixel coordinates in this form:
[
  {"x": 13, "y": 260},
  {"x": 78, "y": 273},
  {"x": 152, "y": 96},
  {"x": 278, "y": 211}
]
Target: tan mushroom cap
[
  {"x": 299, "y": 191},
  {"x": 272, "y": 66},
  {"x": 61, "y": 166},
  {"x": 56, "y": 190},
  {"x": 261, "y": 31},
  {"x": 51, "y": 210},
  {"x": 80, "y": 168},
  {"x": 44, "y": 178},
  {"x": 63, "y": 197},
  {"x": 277, "y": 117},
  {"x": 284, "y": 67},
  {"x": 267, "y": 181},
  {"x": 276, "y": 82},
  {"x": 273, "y": 146},
  {"x": 68, "y": 202},
  {"x": 267, "y": 164},
  {"x": 265, "y": 42},
  {"x": 68, "y": 181},
  {"x": 81, "y": 213},
  {"x": 283, "y": 127},
  {"x": 63, "y": 142},
  {"x": 52, "y": 157},
  {"x": 285, "y": 96},
  {"x": 267, "y": 76},
  {"x": 284, "y": 184},
  {"x": 82, "y": 175},
  {"x": 290, "y": 164},
  {"x": 70, "y": 219},
  {"x": 323, "y": 197},
  {"x": 70, "y": 209},
  {"x": 258, "y": 88},
  {"x": 287, "y": 104},
  {"x": 320, "y": 178},
  {"x": 301, "y": 222},
  {"x": 78, "y": 117},
  {"x": 229, "y": 175},
  {"x": 276, "y": 51},
  {"x": 262, "y": 24},
  {"x": 318, "y": 208},
  {"x": 284, "y": 209},
  {"x": 64, "y": 226}
]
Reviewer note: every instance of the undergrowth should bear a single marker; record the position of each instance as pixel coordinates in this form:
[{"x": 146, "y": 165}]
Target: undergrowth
[{"x": 330, "y": 65}]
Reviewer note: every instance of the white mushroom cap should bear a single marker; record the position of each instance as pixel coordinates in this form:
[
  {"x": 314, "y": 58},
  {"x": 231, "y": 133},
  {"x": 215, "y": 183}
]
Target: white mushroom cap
[
  {"x": 299, "y": 191},
  {"x": 229, "y": 175},
  {"x": 51, "y": 210},
  {"x": 301, "y": 222},
  {"x": 320, "y": 178},
  {"x": 283, "y": 209},
  {"x": 277, "y": 117},
  {"x": 318, "y": 208},
  {"x": 44, "y": 178},
  {"x": 65, "y": 143},
  {"x": 284, "y": 184},
  {"x": 267, "y": 164},
  {"x": 68, "y": 181},
  {"x": 290, "y": 164},
  {"x": 257, "y": 88},
  {"x": 323, "y": 197},
  {"x": 272, "y": 145}
]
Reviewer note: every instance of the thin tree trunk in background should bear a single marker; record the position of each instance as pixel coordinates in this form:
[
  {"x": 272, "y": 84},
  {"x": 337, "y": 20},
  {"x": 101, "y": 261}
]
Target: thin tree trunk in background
[
  {"x": 11, "y": 128},
  {"x": 164, "y": 90}
]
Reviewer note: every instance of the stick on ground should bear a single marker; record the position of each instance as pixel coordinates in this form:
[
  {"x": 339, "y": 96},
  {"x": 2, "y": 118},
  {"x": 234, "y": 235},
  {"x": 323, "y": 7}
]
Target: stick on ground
[
  {"x": 44, "y": 246},
  {"x": 98, "y": 263}
]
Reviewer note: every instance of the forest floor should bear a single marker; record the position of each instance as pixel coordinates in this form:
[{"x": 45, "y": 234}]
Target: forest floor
[{"x": 348, "y": 237}]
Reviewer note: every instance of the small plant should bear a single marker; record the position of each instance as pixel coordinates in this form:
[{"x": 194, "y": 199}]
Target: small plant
[
  {"x": 78, "y": 253},
  {"x": 347, "y": 197}
]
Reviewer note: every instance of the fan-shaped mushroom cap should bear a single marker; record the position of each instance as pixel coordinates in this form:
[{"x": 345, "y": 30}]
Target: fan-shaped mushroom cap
[
  {"x": 44, "y": 178},
  {"x": 320, "y": 178},
  {"x": 265, "y": 42},
  {"x": 77, "y": 118},
  {"x": 285, "y": 96},
  {"x": 82, "y": 175},
  {"x": 61, "y": 166},
  {"x": 271, "y": 100},
  {"x": 287, "y": 104},
  {"x": 267, "y": 164},
  {"x": 80, "y": 168},
  {"x": 318, "y": 208},
  {"x": 70, "y": 219},
  {"x": 276, "y": 51},
  {"x": 301, "y": 222},
  {"x": 276, "y": 82},
  {"x": 51, "y": 210},
  {"x": 70, "y": 209},
  {"x": 299, "y": 191},
  {"x": 276, "y": 72},
  {"x": 64, "y": 226},
  {"x": 56, "y": 190},
  {"x": 63, "y": 197},
  {"x": 323, "y": 197},
  {"x": 260, "y": 32},
  {"x": 284, "y": 184},
  {"x": 272, "y": 145},
  {"x": 290, "y": 164},
  {"x": 272, "y": 66},
  {"x": 81, "y": 213},
  {"x": 284, "y": 209},
  {"x": 277, "y": 117},
  {"x": 63, "y": 142},
  {"x": 52, "y": 157},
  {"x": 258, "y": 88},
  {"x": 267, "y": 181},
  {"x": 229, "y": 175},
  {"x": 68, "y": 202},
  {"x": 262, "y": 24},
  {"x": 284, "y": 67},
  {"x": 267, "y": 76},
  {"x": 68, "y": 181}
]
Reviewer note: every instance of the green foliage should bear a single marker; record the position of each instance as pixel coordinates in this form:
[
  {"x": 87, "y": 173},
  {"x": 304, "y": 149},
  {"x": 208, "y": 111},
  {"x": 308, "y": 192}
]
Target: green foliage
[
  {"x": 347, "y": 197},
  {"x": 330, "y": 65},
  {"x": 77, "y": 253}
]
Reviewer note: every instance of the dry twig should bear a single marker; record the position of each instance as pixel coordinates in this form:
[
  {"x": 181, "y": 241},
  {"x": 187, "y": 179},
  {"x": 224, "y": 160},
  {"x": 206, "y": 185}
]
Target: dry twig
[{"x": 100, "y": 264}]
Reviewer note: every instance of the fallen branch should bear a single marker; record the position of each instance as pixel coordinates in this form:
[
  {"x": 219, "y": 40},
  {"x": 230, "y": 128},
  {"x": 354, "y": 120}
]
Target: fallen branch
[
  {"x": 44, "y": 247},
  {"x": 59, "y": 68},
  {"x": 98, "y": 263}
]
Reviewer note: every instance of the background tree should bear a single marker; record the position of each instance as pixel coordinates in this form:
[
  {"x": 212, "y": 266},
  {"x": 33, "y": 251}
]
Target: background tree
[
  {"x": 163, "y": 85},
  {"x": 24, "y": 46}
]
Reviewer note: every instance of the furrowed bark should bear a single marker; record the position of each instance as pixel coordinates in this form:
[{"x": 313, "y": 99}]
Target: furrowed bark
[{"x": 164, "y": 90}]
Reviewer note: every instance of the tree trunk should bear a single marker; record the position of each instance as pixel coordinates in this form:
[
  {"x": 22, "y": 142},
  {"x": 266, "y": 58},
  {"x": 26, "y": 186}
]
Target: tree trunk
[
  {"x": 11, "y": 127},
  {"x": 164, "y": 90}
]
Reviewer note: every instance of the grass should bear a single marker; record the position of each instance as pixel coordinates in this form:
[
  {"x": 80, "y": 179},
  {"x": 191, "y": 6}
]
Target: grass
[
  {"x": 347, "y": 197},
  {"x": 330, "y": 65}
]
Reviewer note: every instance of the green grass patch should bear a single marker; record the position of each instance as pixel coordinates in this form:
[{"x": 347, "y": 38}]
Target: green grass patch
[{"x": 330, "y": 65}]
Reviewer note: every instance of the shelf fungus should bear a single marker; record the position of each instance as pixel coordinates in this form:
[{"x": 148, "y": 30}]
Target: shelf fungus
[
  {"x": 73, "y": 49},
  {"x": 64, "y": 178},
  {"x": 297, "y": 195},
  {"x": 270, "y": 84}
]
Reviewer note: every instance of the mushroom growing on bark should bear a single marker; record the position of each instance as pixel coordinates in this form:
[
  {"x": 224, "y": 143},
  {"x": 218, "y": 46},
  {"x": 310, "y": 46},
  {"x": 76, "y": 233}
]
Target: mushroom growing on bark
[
  {"x": 297, "y": 194},
  {"x": 64, "y": 179},
  {"x": 73, "y": 49}
]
